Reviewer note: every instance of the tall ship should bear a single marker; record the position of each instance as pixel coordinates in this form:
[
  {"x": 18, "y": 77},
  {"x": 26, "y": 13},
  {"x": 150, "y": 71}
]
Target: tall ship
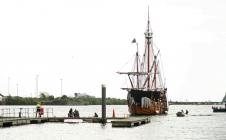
[{"x": 147, "y": 92}]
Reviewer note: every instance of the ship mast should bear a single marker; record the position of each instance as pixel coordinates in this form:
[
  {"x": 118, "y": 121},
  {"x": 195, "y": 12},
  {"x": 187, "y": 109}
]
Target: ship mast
[
  {"x": 148, "y": 36},
  {"x": 149, "y": 61},
  {"x": 137, "y": 55}
]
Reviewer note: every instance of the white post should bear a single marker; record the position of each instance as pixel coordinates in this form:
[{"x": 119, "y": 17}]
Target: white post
[
  {"x": 61, "y": 87},
  {"x": 8, "y": 85},
  {"x": 36, "y": 85},
  {"x": 17, "y": 89}
]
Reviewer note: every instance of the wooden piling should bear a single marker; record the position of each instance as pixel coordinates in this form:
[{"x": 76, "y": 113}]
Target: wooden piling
[{"x": 104, "y": 120}]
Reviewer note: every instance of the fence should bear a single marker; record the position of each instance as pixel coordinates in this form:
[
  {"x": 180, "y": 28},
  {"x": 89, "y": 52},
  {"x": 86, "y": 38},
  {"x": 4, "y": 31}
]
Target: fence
[{"x": 24, "y": 112}]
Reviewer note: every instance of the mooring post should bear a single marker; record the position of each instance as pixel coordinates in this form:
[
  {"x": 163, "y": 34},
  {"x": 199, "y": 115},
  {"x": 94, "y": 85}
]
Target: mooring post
[{"x": 104, "y": 120}]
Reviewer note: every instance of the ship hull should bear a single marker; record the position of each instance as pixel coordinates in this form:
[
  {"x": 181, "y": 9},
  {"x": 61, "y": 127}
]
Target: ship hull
[
  {"x": 147, "y": 102},
  {"x": 216, "y": 109},
  {"x": 219, "y": 110}
]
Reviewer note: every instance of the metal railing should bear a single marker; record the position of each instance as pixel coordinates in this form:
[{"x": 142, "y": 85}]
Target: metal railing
[{"x": 6, "y": 113}]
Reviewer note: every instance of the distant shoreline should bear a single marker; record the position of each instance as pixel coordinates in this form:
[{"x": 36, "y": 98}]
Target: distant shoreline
[
  {"x": 194, "y": 103},
  {"x": 78, "y": 101},
  {"x": 63, "y": 100}
]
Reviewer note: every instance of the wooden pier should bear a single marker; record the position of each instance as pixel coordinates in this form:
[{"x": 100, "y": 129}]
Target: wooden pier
[
  {"x": 22, "y": 116},
  {"x": 7, "y": 122},
  {"x": 116, "y": 122},
  {"x": 130, "y": 122}
]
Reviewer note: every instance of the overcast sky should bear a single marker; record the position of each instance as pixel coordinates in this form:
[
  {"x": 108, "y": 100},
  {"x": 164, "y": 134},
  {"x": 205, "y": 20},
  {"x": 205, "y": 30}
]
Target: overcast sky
[{"x": 86, "y": 42}]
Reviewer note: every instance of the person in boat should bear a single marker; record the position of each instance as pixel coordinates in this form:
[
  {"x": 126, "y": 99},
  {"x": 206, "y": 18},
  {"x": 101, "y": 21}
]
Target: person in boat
[
  {"x": 95, "y": 114},
  {"x": 186, "y": 112},
  {"x": 76, "y": 113},
  {"x": 182, "y": 111},
  {"x": 70, "y": 113}
]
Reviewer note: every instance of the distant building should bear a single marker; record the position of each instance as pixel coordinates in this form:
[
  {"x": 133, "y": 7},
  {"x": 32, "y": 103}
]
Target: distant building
[{"x": 81, "y": 95}]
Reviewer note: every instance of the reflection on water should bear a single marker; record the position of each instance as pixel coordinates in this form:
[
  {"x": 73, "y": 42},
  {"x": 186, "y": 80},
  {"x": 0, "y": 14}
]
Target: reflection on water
[{"x": 201, "y": 123}]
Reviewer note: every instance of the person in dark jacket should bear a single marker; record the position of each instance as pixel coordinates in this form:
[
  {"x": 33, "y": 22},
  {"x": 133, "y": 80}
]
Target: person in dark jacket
[
  {"x": 186, "y": 112},
  {"x": 70, "y": 113},
  {"x": 95, "y": 114},
  {"x": 76, "y": 113},
  {"x": 38, "y": 106}
]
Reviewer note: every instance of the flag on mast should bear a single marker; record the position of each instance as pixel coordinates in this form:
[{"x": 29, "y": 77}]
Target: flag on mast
[{"x": 134, "y": 40}]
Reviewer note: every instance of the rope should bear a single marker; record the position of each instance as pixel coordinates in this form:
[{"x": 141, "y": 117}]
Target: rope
[
  {"x": 127, "y": 62},
  {"x": 161, "y": 66}
]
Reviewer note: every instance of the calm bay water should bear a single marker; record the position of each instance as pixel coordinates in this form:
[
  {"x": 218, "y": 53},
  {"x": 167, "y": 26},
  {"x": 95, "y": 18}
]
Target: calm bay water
[{"x": 201, "y": 123}]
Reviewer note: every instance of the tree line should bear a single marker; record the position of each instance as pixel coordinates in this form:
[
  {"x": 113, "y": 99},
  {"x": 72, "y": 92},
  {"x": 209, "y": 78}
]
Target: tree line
[{"x": 63, "y": 100}]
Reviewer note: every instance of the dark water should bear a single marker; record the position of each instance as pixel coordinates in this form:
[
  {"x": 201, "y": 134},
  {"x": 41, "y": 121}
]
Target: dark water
[{"x": 201, "y": 123}]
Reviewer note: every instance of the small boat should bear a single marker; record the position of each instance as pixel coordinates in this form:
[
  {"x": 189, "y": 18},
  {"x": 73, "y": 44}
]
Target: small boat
[
  {"x": 220, "y": 109},
  {"x": 180, "y": 114}
]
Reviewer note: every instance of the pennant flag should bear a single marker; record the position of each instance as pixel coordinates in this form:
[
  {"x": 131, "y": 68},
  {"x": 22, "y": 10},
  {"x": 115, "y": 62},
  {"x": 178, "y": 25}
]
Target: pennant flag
[{"x": 134, "y": 40}]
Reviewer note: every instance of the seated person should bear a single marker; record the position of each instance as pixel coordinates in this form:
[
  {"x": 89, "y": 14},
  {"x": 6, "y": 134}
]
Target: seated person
[
  {"x": 76, "y": 114},
  {"x": 95, "y": 114},
  {"x": 70, "y": 113}
]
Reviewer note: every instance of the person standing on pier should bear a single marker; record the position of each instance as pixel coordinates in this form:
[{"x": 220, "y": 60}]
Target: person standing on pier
[
  {"x": 41, "y": 111},
  {"x": 38, "y": 106}
]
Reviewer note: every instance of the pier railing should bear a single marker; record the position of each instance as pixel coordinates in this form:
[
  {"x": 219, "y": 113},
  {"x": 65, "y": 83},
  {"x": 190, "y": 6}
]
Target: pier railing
[{"x": 23, "y": 113}]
